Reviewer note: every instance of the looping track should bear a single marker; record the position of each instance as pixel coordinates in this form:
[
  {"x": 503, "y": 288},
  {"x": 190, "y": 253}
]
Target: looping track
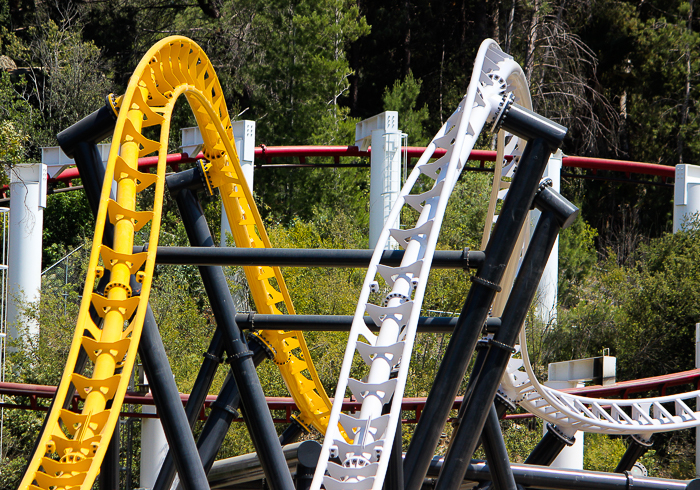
[
  {"x": 72, "y": 445},
  {"x": 364, "y": 462}
]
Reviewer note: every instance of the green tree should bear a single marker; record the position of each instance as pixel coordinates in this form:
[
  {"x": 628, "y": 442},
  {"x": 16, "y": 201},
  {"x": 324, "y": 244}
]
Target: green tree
[{"x": 403, "y": 97}]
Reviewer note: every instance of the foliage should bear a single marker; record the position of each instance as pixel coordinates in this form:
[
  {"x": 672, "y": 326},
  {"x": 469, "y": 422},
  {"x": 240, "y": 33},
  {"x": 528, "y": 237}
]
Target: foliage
[
  {"x": 402, "y": 97},
  {"x": 577, "y": 257}
]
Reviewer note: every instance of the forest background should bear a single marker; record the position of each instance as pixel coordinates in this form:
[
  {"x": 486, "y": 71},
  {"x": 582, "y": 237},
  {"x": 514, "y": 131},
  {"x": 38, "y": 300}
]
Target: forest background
[{"x": 621, "y": 75}]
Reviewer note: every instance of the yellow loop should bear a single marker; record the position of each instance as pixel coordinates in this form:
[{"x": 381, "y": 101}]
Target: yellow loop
[{"x": 160, "y": 78}]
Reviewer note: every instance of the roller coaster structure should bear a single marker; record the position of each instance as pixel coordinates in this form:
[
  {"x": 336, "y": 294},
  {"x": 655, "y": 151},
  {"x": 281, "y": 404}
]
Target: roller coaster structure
[{"x": 359, "y": 450}]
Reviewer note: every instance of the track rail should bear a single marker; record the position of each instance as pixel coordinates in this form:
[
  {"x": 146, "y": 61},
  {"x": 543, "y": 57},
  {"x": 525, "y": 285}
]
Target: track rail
[
  {"x": 364, "y": 462},
  {"x": 72, "y": 445},
  {"x": 572, "y": 412}
]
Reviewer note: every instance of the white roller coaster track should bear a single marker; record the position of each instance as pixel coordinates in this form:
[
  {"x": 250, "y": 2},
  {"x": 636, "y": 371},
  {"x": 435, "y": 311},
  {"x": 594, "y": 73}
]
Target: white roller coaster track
[
  {"x": 571, "y": 413},
  {"x": 365, "y": 461}
]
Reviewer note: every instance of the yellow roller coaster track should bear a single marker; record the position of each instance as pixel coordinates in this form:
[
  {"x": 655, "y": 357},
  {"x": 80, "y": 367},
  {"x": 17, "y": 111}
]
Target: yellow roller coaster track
[{"x": 72, "y": 445}]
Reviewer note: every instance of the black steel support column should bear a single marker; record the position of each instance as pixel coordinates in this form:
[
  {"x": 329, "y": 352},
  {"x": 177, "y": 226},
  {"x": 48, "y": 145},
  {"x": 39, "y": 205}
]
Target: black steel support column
[
  {"x": 223, "y": 411},
  {"x": 549, "y": 446},
  {"x": 212, "y": 358},
  {"x": 476, "y": 308},
  {"x": 307, "y": 460},
  {"x": 169, "y": 406},
  {"x": 638, "y": 446},
  {"x": 109, "y": 471},
  {"x": 496, "y": 453},
  {"x": 253, "y": 405},
  {"x": 557, "y": 213},
  {"x": 292, "y": 433},
  {"x": 80, "y": 141}
]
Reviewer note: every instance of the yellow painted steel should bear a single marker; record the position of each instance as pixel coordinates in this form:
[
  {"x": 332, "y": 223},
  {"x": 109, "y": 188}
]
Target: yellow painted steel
[
  {"x": 288, "y": 348},
  {"x": 72, "y": 445}
]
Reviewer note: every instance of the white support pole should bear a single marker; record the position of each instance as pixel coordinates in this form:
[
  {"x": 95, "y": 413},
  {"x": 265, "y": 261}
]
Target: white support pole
[
  {"x": 383, "y": 132},
  {"x": 571, "y": 457},
  {"x": 686, "y": 195},
  {"x": 548, "y": 289},
  {"x": 154, "y": 447},
  {"x": 244, "y": 136},
  {"x": 27, "y": 203},
  {"x": 697, "y": 430}
]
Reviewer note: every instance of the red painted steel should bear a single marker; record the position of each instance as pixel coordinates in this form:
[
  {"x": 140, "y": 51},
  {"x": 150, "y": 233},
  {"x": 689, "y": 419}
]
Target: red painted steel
[
  {"x": 267, "y": 153},
  {"x": 285, "y": 404}
]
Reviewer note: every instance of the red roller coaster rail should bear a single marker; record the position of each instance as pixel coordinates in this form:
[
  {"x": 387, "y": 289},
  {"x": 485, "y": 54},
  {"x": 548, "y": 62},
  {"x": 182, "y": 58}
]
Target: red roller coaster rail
[{"x": 29, "y": 396}]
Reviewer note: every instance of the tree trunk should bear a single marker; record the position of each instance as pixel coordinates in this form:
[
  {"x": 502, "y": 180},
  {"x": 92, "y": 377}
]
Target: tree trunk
[
  {"x": 680, "y": 142},
  {"x": 532, "y": 40},
  {"x": 407, "y": 38},
  {"x": 509, "y": 26}
]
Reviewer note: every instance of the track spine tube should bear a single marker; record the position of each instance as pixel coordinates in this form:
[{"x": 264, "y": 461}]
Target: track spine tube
[
  {"x": 482, "y": 391},
  {"x": 474, "y": 313},
  {"x": 257, "y": 417}
]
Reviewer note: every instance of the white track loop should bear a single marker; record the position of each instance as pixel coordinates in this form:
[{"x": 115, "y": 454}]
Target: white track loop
[
  {"x": 513, "y": 146},
  {"x": 571, "y": 413},
  {"x": 365, "y": 461}
]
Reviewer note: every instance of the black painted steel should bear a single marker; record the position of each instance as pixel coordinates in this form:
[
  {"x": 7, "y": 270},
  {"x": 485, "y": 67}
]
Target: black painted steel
[
  {"x": 474, "y": 312},
  {"x": 109, "y": 470},
  {"x": 496, "y": 453},
  {"x": 169, "y": 406},
  {"x": 636, "y": 449},
  {"x": 342, "y": 323},
  {"x": 255, "y": 413},
  {"x": 549, "y": 447},
  {"x": 529, "y": 125},
  {"x": 307, "y": 459},
  {"x": 541, "y": 477},
  {"x": 223, "y": 411},
  {"x": 314, "y": 257},
  {"x": 93, "y": 128},
  {"x": 212, "y": 359},
  {"x": 481, "y": 391},
  {"x": 245, "y": 472}
]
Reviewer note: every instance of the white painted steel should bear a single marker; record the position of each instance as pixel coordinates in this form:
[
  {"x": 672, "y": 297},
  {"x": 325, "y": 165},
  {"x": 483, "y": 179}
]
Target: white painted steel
[
  {"x": 57, "y": 161},
  {"x": 697, "y": 429},
  {"x": 244, "y": 136},
  {"x": 365, "y": 460},
  {"x": 154, "y": 447},
  {"x": 643, "y": 416},
  {"x": 547, "y": 291},
  {"x": 383, "y": 132},
  {"x": 27, "y": 200},
  {"x": 686, "y": 195}
]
